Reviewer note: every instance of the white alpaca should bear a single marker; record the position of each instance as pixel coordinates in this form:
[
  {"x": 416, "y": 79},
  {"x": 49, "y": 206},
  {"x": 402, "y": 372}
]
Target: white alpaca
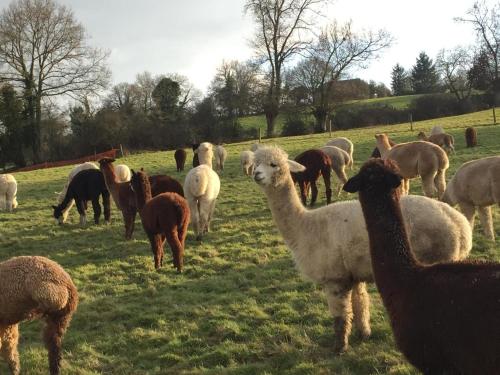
[
  {"x": 340, "y": 159},
  {"x": 220, "y": 157},
  {"x": 201, "y": 188},
  {"x": 62, "y": 194},
  {"x": 246, "y": 158},
  {"x": 205, "y": 153},
  {"x": 123, "y": 173},
  {"x": 437, "y": 130},
  {"x": 330, "y": 244},
  {"x": 8, "y": 192},
  {"x": 344, "y": 144}
]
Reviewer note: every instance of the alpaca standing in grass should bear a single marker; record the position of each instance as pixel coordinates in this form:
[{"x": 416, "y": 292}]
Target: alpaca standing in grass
[
  {"x": 180, "y": 159},
  {"x": 339, "y": 160},
  {"x": 437, "y": 129},
  {"x": 419, "y": 158},
  {"x": 33, "y": 287},
  {"x": 87, "y": 185},
  {"x": 471, "y": 137},
  {"x": 476, "y": 184},
  {"x": 60, "y": 196},
  {"x": 344, "y": 144},
  {"x": 201, "y": 186},
  {"x": 445, "y": 317},
  {"x": 8, "y": 192},
  {"x": 124, "y": 197},
  {"x": 165, "y": 216},
  {"x": 246, "y": 159},
  {"x": 220, "y": 157},
  {"x": 443, "y": 140},
  {"x": 330, "y": 244}
]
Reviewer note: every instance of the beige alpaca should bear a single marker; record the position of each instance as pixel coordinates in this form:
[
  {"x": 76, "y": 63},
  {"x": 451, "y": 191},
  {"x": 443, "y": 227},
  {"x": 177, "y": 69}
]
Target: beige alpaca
[
  {"x": 220, "y": 157},
  {"x": 8, "y": 192},
  {"x": 443, "y": 140},
  {"x": 476, "y": 184},
  {"x": 330, "y": 244},
  {"x": 246, "y": 159},
  {"x": 205, "y": 153},
  {"x": 340, "y": 159},
  {"x": 344, "y": 144},
  {"x": 418, "y": 158},
  {"x": 437, "y": 130}
]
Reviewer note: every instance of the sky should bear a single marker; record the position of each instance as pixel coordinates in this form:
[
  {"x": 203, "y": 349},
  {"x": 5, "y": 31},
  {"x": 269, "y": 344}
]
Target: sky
[{"x": 193, "y": 37}]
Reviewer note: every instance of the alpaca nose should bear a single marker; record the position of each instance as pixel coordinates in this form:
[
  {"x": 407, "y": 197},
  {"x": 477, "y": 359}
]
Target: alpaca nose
[{"x": 257, "y": 176}]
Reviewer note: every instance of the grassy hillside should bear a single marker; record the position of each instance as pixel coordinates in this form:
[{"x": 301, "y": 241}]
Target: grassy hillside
[{"x": 240, "y": 307}]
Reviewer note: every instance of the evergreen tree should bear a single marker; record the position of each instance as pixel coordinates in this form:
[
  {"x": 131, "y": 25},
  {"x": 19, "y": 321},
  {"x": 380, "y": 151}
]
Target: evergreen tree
[
  {"x": 424, "y": 77},
  {"x": 399, "y": 81},
  {"x": 12, "y": 127}
]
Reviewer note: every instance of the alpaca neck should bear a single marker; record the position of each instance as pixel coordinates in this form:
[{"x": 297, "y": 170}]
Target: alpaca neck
[
  {"x": 384, "y": 147},
  {"x": 392, "y": 260},
  {"x": 112, "y": 182},
  {"x": 143, "y": 197}
]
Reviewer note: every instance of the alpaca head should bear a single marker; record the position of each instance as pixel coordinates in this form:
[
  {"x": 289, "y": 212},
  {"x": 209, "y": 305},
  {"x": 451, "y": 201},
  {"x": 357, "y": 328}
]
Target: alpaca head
[
  {"x": 105, "y": 161},
  {"x": 375, "y": 177},
  {"x": 422, "y": 136},
  {"x": 204, "y": 147},
  {"x": 195, "y": 146},
  {"x": 272, "y": 167},
  {"x": 58, "y": 214},
  {"x": 137, "y": 181}
]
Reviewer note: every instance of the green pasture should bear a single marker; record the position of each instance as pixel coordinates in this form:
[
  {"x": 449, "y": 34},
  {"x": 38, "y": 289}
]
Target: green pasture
[{"x": 240, "y": 307}]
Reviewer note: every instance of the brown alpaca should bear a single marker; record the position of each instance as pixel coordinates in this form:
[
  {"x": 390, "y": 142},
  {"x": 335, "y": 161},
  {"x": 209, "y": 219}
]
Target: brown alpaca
[
  {"x": 471, "y": 137},
  {"x": 165, "y": 216},
  {"x": 180, "y": 159},
  {"x": 445, "y": 317},
  {"x": 317, "y": 163},
  {"x": 443, "y": 140},
  {"x": 33, "y": 287},
  {"x": 419, "y": 158},
  {"x": 124, "y": 197},
  {"x": 376, "y": 151}
]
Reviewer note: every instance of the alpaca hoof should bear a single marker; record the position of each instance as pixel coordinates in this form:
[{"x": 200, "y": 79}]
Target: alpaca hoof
[
  {"x": 340, "y": 348},
  {"x": 365, "y": 335}
]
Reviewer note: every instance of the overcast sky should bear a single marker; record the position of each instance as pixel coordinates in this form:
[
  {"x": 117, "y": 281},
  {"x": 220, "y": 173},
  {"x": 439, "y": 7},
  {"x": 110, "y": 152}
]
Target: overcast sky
[{"x": 193, "y": 37}]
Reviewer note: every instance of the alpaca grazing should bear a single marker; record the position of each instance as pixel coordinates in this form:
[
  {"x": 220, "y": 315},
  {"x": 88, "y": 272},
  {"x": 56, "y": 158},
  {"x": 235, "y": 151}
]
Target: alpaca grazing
[
  {"x": 476, "y": 184},
  {"x": 87, "y": 185},
  {"x": 8, "y": 192},
  {"x": 62, "y": 194},
  {"x": 220, "y": 157},
  {"x": 196, "y": 160},
  {"x": 445, "y": 317},
  {"x": 344, "y": 144},
  {"x": 180, "y": 159},
  {"x": 246, "y": 159},
  {"x": 443, "y": 140},
  {"x": 471, "y": 137},
  {"x": 419, "y": 158},
  {"x": 164, "y": 217},
  {"x": 340, "y": 160},
  {"x": 201, "y": 186},
  {"x": 33, "y": 287},
  {"x": 330, "y": 244},
  {"x": 316, "y": 164},
  {"x": 124, "y": 197},
  {"x": 376, "y": 151}
]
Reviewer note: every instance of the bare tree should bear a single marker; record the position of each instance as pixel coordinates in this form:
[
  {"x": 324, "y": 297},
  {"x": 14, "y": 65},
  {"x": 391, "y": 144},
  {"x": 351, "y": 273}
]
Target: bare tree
[
  {"x": 44, "y": 51},
  {"x": 282, "y": 26},
  {"x": 454, "y": 66}
]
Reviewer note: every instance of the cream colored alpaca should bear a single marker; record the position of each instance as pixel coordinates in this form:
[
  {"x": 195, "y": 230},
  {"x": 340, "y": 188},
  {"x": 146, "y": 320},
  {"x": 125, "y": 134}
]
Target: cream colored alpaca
[
  {"x": 344, "y": 144},
  {"x": 476, "y": 184},
  {"x": 340, "y": 159},
  {"x": 122, "y": 173},
  {"x": 8, "y": 192},
  {"x": 205, "y": 153},
  {"x": 330, "y": 244},
  {"x": 220, "y": 157},
  {"x": 246, "y": 159},
  {"x": 443, "y": 140},
  {"x": 418, "y": 158},
  {"x": 437, "y": 130}
]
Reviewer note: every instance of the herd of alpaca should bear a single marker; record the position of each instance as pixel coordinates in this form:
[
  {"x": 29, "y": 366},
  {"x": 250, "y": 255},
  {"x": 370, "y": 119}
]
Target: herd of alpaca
[{"x": 413, "y": 247}]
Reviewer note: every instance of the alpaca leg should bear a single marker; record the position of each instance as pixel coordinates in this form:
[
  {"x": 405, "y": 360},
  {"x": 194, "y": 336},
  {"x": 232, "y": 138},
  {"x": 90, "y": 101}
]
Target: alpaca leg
[
  {"x": 428, "y": 185},
  {"x": 469, "y": 211},
  {"x": 339, "y": 303},
  {"x": 96, "y": 206},
  {"x": 328, "y": 189},
  {"x": 361, "y": 309},
  {"x": 161, "y": 247},
  {"x": 205, "y": 215},
  {"x": 405, "y": 186},
  {"x": 195, "y": 217},
  {"x": 9, "y": 337},
  {"x": 177, "y": 249},
  {"x": 65, "y": 212},
  {"x": 210, "y": 215},
  {"x": 56, "y": 325},
  {"x": 303, "y": 192},
  {"x": 154, "y": 240},
  {"x": 80, "y": 206},
  {"x": 106, "y": 202},
  {"x": 486, "y": 222},
  {"x": 314, "y": 193},
  {"x": 440, "y": 183},
  {"x": 342, "y": 177},
  {"x": 3, "y": 202}
]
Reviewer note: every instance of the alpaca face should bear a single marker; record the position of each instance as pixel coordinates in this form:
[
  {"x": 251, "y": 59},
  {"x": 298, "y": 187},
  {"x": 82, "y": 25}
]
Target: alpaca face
[
  {"x": 272, "y": 167},
  {"x": 376, "y": 176},
  {"x": 58, "y": 215}
]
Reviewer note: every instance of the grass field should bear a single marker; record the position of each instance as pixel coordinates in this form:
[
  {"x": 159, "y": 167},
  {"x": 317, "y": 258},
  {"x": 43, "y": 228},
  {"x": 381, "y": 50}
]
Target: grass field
[{"x": 240, "y": 307}]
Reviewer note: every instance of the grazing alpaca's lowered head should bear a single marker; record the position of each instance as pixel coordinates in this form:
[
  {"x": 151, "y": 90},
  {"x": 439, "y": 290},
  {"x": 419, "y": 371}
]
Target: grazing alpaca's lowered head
[{"x": 445, "y": 317}]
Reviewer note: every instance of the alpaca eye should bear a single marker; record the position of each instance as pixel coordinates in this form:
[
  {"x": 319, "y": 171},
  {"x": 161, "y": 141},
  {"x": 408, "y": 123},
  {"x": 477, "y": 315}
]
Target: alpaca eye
[{"x": 273, "y": 165}]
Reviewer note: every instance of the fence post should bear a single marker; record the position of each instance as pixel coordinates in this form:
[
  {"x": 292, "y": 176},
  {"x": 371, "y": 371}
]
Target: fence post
[
  {"x": 260, "y": 139},
  {"x": 411, "y": 122},
  {"x": 330, "y": 127},
  {"x": 121, "y": 149}
]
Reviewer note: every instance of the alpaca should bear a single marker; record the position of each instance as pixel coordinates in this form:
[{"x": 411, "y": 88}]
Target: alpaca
[
  {"x": 443, "y": 140},
  {"x": 316, "y": 163},
  {"x": 339, "y": 159},
  {"x": 376, "y": 151},
  {"x": 471, "y": 137},
  {"x": 62, "y": 194},
  {"x": 445, "y": 317},
  {"x": 124, "y": 197},
  {"x": 123, "y": 173},
  {"x": 8, "y": 192},
  {"x": 344, "y": 144},
  {"x": 437, "y": 130},
  {"x": 201, "y": 186},
  {"x": 220, "y": 157},
  {"x": 418, "y": 158},
  {"x": 205, "y": 153},
  {"x": 330, "y": 244},
  {"x": 254, "y": 147},
  {"x": 87, "y": 185},
  {"x": 165, "y": 216},
  {"x": 34, "y": 287},
  {"x": 196, "y": 160},
  {"x": 246, "y": 158},
  {"x": 476, "y": 184},
  {"x": 180, "y": 159}
]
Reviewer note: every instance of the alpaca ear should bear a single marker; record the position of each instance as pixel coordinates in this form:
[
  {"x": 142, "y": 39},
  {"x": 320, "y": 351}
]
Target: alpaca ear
[
  {"x": 353, "y": 184},
  {"x": 54, "y": 207},
  {"x": 295, "y": 167},
  {"x": 133, "y": 172}
]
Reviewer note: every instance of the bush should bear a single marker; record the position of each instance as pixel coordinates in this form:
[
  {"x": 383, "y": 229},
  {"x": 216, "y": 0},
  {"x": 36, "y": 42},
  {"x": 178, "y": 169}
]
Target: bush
[
  {"x": 295, "y": 125},
  {"x": 357, "y": 117}
]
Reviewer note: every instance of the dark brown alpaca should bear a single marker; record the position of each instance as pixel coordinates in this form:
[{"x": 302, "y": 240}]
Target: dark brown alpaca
[
  {"x": 124, "y": 197},
  {"x": 471, "y": 137},
  {"x": 317, "y": 163},
  {"x": 196, "y": 160},
  {"x": 165, "y": 216},
  {"x": 180, "y": 159},
  {"x": 445, "y": 317}
]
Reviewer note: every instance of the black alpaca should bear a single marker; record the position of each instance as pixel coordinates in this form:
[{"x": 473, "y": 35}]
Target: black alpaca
[
  {"x": 87, "y": 185},
  {"x": 445, "y": 317},
  {"x": 196, "y": 161}
]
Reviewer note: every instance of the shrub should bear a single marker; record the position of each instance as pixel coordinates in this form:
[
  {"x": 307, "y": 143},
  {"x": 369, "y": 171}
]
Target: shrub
[{"x": 296, "y": 125}]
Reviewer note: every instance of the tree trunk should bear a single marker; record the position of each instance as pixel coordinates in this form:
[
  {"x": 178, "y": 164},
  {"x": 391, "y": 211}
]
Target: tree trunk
[
  {"x": 271, "y": 110},
  {"x": 321, "y": 116}
]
